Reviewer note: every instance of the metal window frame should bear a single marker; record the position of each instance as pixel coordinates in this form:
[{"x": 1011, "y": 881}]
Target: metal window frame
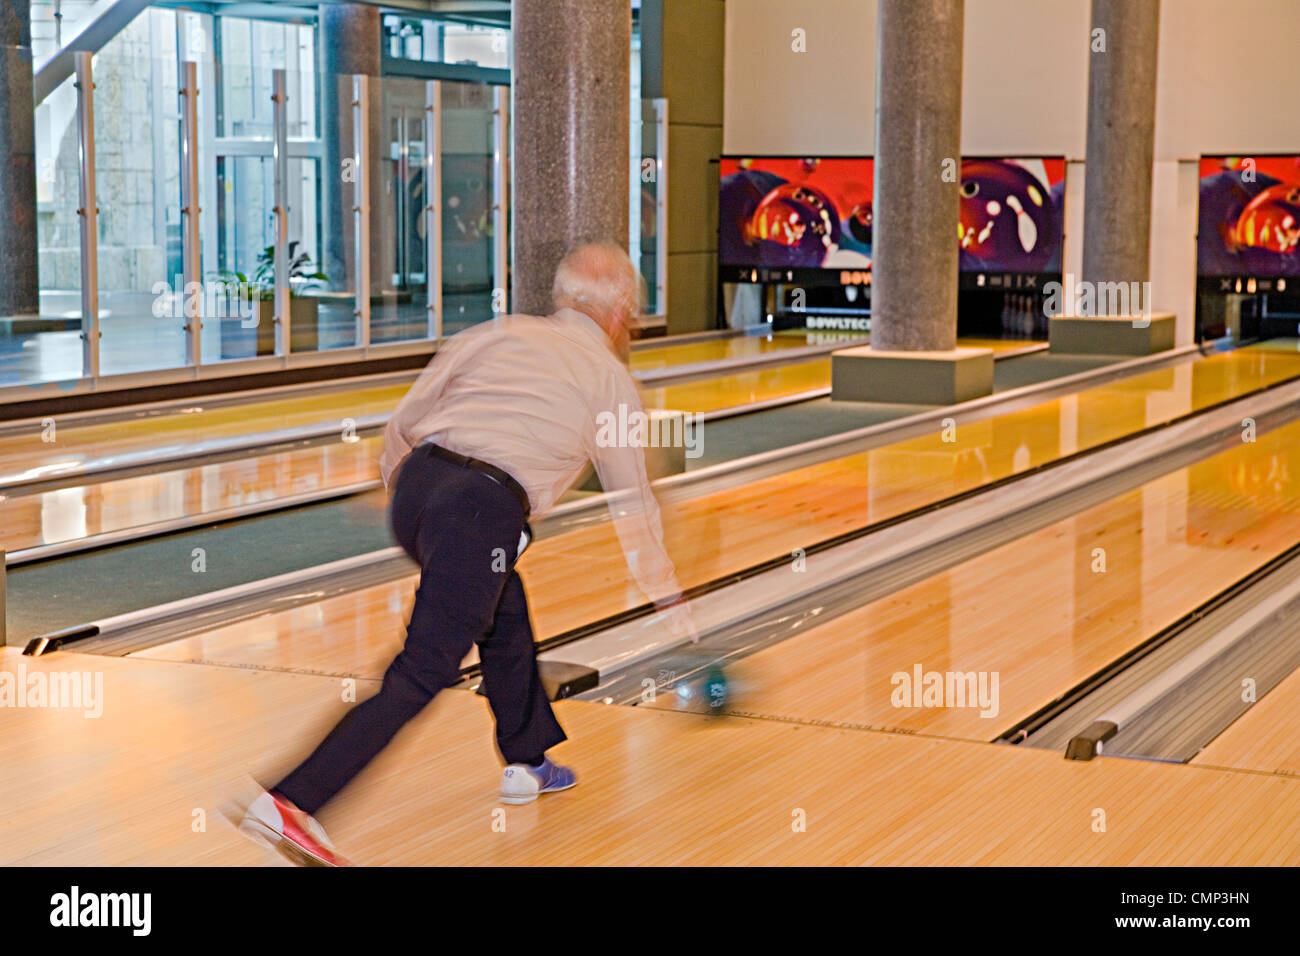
[
  {"x": 361, "y": 198},
  {"x": 501, "y": 198},
  {"x": 280, "y": 175},
  {"x": 88, "y": 214},
  {"x": 433, "y": 206},
  {"x": 191, "y": 241},
  {"x": 661, "y": 207}
]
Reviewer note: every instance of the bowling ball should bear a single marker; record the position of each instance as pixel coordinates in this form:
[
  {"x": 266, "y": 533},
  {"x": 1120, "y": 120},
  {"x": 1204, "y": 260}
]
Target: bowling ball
[
  {"x": 1270, "y": 221},
  {"x": 795, "y": 225},
  {"x": 1223, "y": 197},
  {"x": 1008, "y": 220},
  {"x": 859, "y": 223},
  {"x": 697, "y": 684},
  {"x": 738, "y": 196},
  {"x": 714, "y": 687}
]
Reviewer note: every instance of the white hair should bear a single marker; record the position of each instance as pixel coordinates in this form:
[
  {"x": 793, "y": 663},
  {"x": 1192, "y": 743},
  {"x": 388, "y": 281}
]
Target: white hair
[{"x": 597, "y": 277}]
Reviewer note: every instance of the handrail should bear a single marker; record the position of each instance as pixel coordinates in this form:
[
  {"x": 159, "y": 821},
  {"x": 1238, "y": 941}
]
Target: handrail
[{"x": 110, "y": 21}]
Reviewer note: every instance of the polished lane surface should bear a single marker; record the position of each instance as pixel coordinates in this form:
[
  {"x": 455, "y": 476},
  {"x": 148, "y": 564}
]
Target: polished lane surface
[
  {"x": 578, "y": 577},
  {"x": 1037, "y": 616},
  {"x": 68, "y": 447},
  {"x": 339, "y": 462},
  {"x": 653, "y": 357},
  {"x": 62, "y": 447}
]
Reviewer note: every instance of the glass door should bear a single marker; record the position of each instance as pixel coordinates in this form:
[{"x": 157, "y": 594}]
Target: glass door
[
  {"x": 398, "y": 309},
  {"x": 467, "y": 222}
]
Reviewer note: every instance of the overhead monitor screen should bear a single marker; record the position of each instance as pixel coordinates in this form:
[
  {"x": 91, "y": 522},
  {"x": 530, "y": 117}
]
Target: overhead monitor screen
[
  {"x": 809, "y": 221},
  {"x": 1248, "y": 230}
]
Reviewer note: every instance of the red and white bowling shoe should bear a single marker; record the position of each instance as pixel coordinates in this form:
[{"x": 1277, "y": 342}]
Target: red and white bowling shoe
[{"x": 273, "y": 821}]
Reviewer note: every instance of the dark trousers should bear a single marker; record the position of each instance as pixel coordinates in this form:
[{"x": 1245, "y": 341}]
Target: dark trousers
[{"x": 463, "y": 529}]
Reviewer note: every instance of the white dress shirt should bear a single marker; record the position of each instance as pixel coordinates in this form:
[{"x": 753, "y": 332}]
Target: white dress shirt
[{"x": 523, "y": 393}]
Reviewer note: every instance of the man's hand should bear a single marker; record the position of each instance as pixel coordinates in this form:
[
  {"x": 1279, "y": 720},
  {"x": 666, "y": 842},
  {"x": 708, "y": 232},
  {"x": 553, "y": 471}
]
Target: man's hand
[{"x": 676, "y": 614}]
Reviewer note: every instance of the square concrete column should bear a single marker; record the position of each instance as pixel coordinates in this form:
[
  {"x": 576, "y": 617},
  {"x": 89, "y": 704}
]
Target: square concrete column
[
  {"x": 570, "y": 84},
  {"x": 682, "y": 51},
  {"x": 941, "y": 377},
  {"x": 1112, "y": 334}
]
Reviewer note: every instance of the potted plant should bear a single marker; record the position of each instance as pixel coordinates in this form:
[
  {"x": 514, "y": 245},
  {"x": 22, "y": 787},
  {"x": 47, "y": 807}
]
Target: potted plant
[
  {"x": 303, "y": 313},
  {"x": 233, "y": 294}
]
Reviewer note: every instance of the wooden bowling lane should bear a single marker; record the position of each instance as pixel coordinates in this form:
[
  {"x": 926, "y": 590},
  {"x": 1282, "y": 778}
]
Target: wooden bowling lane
[
  {"x": 578, "y": 577},
  {"x": 214, "y": 417},
  {"x": 70, "y": 448},
  {"x": 116, "y": 505},
  {"x": 144, "y": 501},
  {"x": 651, "y": 357},
  {"x": 1041, "y": 614},
  {"x": 111, "y": 506},
  {"x": 771, "y": 384},
  {"x": 351, "y": 635},
  {"x": 582, "y": 575},
  {"x": 1265, "y": 738},
  {"x": 151, "y": 780},
  {"x": 741, "y": 388},
  {"x": 71, "y": 445}
]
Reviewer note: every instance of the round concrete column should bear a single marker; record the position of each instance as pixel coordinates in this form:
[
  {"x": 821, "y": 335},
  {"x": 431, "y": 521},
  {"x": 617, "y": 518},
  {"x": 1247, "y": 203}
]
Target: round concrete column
[
  {"x": 350, "y": 39},
  {"x": 917, "y": 175},
  {"x": 1121, "y": 141},
  {"x": 571, "y": 86},
  {"x": 19, "y": 287}
]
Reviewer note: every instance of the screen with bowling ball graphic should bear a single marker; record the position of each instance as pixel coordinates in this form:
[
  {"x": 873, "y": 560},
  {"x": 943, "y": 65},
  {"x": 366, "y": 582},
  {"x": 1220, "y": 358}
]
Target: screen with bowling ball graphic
[
  {"x": 795, "y": 220},
  {"x": 1248, "y": 225},
  {"x": 1011, "y": 228},
  {"x": 809, "y": 221}
]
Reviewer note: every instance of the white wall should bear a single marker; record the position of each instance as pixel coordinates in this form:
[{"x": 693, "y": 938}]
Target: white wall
[
  {"x": 1225, "y": 85},
  {"x": 1019, "y": 94},
  {"x": 1025, "y": 78},
  {"x": 778, "y": 102}
]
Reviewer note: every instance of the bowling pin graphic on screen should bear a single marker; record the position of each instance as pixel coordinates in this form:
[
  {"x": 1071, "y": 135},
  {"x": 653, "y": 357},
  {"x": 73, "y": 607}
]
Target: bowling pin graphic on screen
[{"x": 1010, "y": 219}]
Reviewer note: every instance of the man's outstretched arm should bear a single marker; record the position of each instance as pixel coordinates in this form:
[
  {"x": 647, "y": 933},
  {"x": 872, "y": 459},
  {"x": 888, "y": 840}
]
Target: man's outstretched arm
[{"x": 635, "y": 512}]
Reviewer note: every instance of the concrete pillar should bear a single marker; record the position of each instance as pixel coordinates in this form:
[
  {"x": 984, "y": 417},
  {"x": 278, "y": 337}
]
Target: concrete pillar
[
  {"x": 682, "y": 50},
  {"x": 913, "y": 356},
  {"x": 1110, "y": 312},
  {"x": 1121, "y": 141},
  {"x": 351, "y": 42},
  {"x": 570, "y": 86},
  {"x": 19, "y": 287},
  {"x": 917, "y": 175}
]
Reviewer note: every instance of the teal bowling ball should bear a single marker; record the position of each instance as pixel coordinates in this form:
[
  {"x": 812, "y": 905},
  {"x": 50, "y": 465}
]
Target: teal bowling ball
[{"x": 715, "y": 691}]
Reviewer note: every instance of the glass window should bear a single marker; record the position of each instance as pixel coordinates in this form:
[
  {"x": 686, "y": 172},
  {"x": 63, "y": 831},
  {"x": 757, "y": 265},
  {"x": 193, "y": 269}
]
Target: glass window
[
  {"x": 433, "y": 40},
  {"x": 247, "y": 52}
]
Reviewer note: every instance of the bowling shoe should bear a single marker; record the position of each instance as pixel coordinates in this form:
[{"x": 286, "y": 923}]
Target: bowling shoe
[
  {"x": 521, "y": 783},
  {"x": 272, "y": 821}
]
